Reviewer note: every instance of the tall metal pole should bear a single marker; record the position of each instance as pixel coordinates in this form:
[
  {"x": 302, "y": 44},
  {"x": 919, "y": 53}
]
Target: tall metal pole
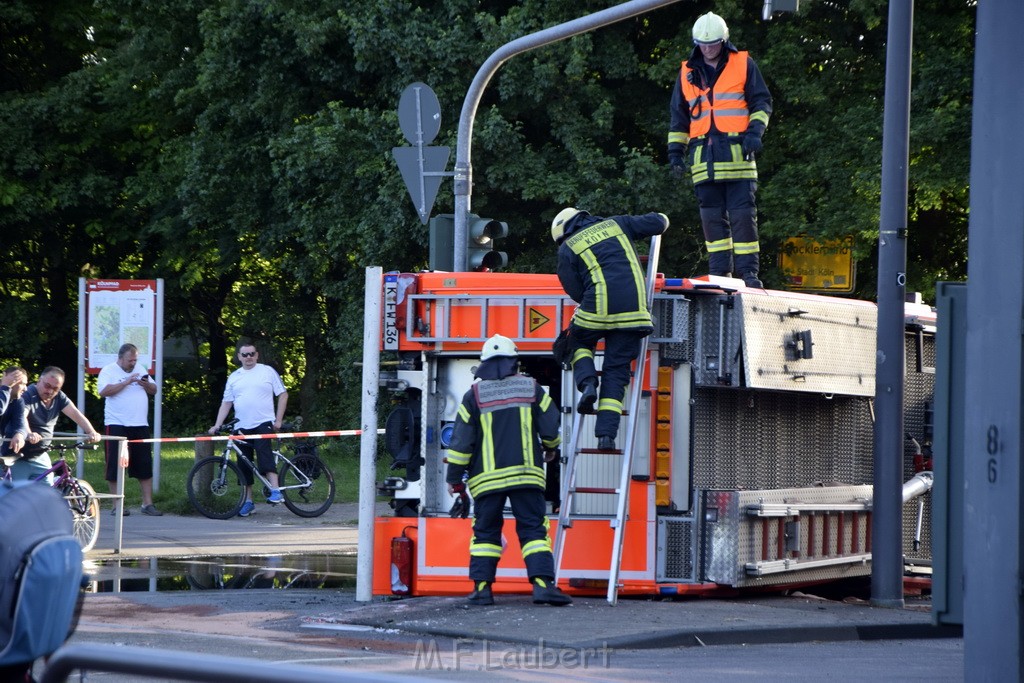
[
  {"x": 463, "y": 167},
  {"x": 158, "y": 398},
  {"x": 890, "y": 367},
  {"x": 994, "y": 376},
  {"x": 368, "y": 439},
  {"x": 80, "y": 395}
]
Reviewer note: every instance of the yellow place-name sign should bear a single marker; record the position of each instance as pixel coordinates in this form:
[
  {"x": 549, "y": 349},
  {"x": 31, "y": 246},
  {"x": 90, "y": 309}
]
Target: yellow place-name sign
[{"x": 810, "y": 265}]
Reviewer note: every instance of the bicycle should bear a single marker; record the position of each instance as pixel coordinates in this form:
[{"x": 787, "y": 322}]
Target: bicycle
[
  {"x": 80, "y": 495},
  {"x": 216, "y": 489}
]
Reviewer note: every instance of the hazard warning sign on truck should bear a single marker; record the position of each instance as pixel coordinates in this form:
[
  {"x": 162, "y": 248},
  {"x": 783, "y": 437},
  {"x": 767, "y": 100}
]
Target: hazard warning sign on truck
[{"x": 813, "y": 266}]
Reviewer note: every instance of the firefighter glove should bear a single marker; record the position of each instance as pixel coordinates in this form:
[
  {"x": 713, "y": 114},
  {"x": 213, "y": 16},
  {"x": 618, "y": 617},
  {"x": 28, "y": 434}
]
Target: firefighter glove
[
  {"x": 751, "y": 145},
  {"x": 678, "y": 166},
  {"x": 562, "y": 350},
  {"x": 551, "y": 454},
  {"x": 457, "y": 488}
]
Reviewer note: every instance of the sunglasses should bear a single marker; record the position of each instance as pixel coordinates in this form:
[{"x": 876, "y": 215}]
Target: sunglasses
[{"x": 247, "y": 354}]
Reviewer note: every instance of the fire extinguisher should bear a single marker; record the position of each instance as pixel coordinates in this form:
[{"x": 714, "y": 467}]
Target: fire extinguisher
[{"x": 401, "y": 564}]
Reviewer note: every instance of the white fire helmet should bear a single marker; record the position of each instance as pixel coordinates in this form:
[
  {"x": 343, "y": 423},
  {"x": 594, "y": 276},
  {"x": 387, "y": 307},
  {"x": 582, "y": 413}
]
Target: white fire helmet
[
  {"x": 710, "y": 29},
  {"x": 558, "y": 225},
  {"x": 498, "y": 346}
]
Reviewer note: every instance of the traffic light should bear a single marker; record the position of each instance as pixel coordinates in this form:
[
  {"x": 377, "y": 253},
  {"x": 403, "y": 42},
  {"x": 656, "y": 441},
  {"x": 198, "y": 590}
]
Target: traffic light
[
  {"x": 480, "y": 243},
  {"x": 442, "y": 239}
]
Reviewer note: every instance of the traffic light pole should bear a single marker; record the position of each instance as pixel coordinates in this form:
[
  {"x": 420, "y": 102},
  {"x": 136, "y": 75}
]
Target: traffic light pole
[
  {"x": 463, "y": 166},
  {"x": 886, "y": 520}
]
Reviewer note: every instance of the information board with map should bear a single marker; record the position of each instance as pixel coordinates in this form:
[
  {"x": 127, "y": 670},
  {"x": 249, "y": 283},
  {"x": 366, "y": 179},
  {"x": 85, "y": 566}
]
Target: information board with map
[{"x": 119, "y": 312}]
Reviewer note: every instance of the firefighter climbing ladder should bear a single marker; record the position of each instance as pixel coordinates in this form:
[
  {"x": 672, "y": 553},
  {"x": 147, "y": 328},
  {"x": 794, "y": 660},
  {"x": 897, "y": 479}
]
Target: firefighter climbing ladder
[{"x": 569, "y": 488}]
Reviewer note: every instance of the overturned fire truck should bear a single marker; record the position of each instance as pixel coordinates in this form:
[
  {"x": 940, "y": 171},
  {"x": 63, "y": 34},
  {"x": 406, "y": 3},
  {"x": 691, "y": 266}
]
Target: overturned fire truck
[{"x": 753, "y": 451}]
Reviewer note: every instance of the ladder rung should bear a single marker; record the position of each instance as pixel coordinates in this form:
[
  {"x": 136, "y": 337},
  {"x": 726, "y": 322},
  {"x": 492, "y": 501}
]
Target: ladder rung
[{"x": 591, "y": 489}]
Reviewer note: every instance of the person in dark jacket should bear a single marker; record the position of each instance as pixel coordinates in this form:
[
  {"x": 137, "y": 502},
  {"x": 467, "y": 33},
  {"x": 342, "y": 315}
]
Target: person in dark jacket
[
  {"x": 506, "y": 427},
  {"x": 718, "y": 114},
  {"x": 599, "y": 268},
  {"x": 13, "y": 427}
]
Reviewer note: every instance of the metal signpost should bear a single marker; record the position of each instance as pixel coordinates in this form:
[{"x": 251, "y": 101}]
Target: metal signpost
[{"x": 422, "y": 167}]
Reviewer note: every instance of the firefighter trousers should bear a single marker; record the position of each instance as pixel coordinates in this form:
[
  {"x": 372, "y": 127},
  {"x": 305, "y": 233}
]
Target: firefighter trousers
[
  {"x": 485, "y": 548},
  {"x": 728, "y": 214},
  {"x": 621, "y": 348}
]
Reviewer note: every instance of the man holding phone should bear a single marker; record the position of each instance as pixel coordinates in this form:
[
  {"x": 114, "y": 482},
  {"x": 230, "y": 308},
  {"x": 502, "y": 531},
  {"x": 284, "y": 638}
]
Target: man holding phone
[{"x": 126, "y": 413}]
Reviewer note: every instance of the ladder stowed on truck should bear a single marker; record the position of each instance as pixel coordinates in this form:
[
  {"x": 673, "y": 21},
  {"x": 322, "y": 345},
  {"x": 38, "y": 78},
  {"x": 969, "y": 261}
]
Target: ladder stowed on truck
[{"x": 569, "y": 487}]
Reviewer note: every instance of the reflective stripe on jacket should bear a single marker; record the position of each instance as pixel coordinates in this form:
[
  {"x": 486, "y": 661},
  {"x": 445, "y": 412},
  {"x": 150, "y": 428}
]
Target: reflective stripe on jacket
[
  {"x": 501, "y": 431},
  {"x": 598, "y": 267},
  {"x": 711, "y": 109},
  {"x": 723, "y": 104}
]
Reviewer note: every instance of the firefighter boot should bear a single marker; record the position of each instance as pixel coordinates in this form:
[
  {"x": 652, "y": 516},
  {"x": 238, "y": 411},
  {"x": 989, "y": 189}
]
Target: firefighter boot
[
  {"x": 481, "y": 594},
  {"x": 588, "y": 396},
  {"x": 545, "y": 592},
  {"x": 606, "y": 443},
  {"x": 751, "y": 280}
]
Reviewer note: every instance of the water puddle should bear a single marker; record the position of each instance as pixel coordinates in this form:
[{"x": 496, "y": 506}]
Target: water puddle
[{"x": 273, "y": 572}]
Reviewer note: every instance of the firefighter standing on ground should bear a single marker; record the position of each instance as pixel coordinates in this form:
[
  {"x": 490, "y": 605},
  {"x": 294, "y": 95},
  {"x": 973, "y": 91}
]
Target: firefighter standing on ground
[
  {"x": 506, "y": 427},
  {"x": 599, "y": 269},
  {"x": 719, "y": 111}
]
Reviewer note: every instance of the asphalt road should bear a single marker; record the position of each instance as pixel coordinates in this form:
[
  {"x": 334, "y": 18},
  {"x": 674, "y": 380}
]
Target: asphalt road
[{"x": 799, "y": 637}]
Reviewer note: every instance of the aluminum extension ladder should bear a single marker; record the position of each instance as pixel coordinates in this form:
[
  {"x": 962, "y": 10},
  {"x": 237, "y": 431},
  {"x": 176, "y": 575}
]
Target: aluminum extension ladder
[{"x": 569, "y": 488}]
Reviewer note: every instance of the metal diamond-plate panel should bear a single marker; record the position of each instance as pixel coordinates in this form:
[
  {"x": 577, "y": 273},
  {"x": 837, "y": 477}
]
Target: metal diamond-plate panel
[
  {"x": 673, "y": 327},
  {"x": 717, "y": 334},
  {"x": 918, "y": 421},
  {"x": 808, "y": 345},
  {"x": 677, "y": 549},
  {"x": 721, "y": 536},
  {"x": 770, "y": 439}
]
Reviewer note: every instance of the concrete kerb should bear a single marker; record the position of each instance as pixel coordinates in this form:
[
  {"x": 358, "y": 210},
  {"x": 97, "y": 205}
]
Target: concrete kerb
[{"x": 645, "y": 624}]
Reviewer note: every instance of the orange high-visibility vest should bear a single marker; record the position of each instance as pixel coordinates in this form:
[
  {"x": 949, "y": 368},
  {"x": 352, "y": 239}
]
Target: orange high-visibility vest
[{"x": 728, "y": 105}]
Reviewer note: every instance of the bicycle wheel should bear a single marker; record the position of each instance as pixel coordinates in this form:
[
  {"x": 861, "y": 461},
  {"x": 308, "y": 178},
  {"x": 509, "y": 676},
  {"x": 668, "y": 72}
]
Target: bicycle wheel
[
  {"x": 316, "y": 496},
  {"x": 215, "y": 488},
  {"x": 85, "y": 512}
]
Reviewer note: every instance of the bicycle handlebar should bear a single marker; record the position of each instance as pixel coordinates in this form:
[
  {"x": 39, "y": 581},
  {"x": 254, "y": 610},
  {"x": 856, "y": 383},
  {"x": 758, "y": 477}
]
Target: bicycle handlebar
[
  {"x": 230, "y": 426},
  {"x": 69, "y": 446}
]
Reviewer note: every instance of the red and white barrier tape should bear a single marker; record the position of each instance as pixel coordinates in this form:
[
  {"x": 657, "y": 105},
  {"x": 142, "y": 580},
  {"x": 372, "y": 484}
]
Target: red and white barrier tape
[{"x": 247, "y": 437}]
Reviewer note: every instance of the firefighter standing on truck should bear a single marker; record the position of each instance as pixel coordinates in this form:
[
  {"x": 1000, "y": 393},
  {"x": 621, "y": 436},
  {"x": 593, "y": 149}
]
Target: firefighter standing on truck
[
  {"x": 599, "y": 269},
  {"x": 719, "y": 111},
  {"x": 506, "y": 427}
]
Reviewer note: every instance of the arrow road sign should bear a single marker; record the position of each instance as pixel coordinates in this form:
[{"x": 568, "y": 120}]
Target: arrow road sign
[{"x": 421, "y": 169}]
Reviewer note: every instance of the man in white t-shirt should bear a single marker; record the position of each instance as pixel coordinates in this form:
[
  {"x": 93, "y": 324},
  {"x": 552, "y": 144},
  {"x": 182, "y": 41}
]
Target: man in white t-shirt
[
  {"x": 126, "y": 389},
  {"x": 250, "y": 390}
]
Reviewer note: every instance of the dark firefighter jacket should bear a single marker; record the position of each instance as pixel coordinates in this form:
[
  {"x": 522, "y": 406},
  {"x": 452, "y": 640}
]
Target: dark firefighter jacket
[
  {"x": 598, "y": 267},
  {"x": 714, "y": 151},
  {"x": 501, "y": 431}
]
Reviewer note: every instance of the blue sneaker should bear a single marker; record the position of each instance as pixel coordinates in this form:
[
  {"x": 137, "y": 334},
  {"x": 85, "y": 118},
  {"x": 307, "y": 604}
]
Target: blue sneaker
[
  {"x": 275, "y": 497},
  {"x": 247, "y": 509}
]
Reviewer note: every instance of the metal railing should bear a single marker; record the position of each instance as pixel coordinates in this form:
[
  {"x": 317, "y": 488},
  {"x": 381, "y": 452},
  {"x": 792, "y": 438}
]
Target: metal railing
[{"x": 150, "y": 662}]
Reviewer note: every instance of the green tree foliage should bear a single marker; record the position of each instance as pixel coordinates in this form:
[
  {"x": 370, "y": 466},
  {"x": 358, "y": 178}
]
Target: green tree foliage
[{"x": 241, "y": 150}]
